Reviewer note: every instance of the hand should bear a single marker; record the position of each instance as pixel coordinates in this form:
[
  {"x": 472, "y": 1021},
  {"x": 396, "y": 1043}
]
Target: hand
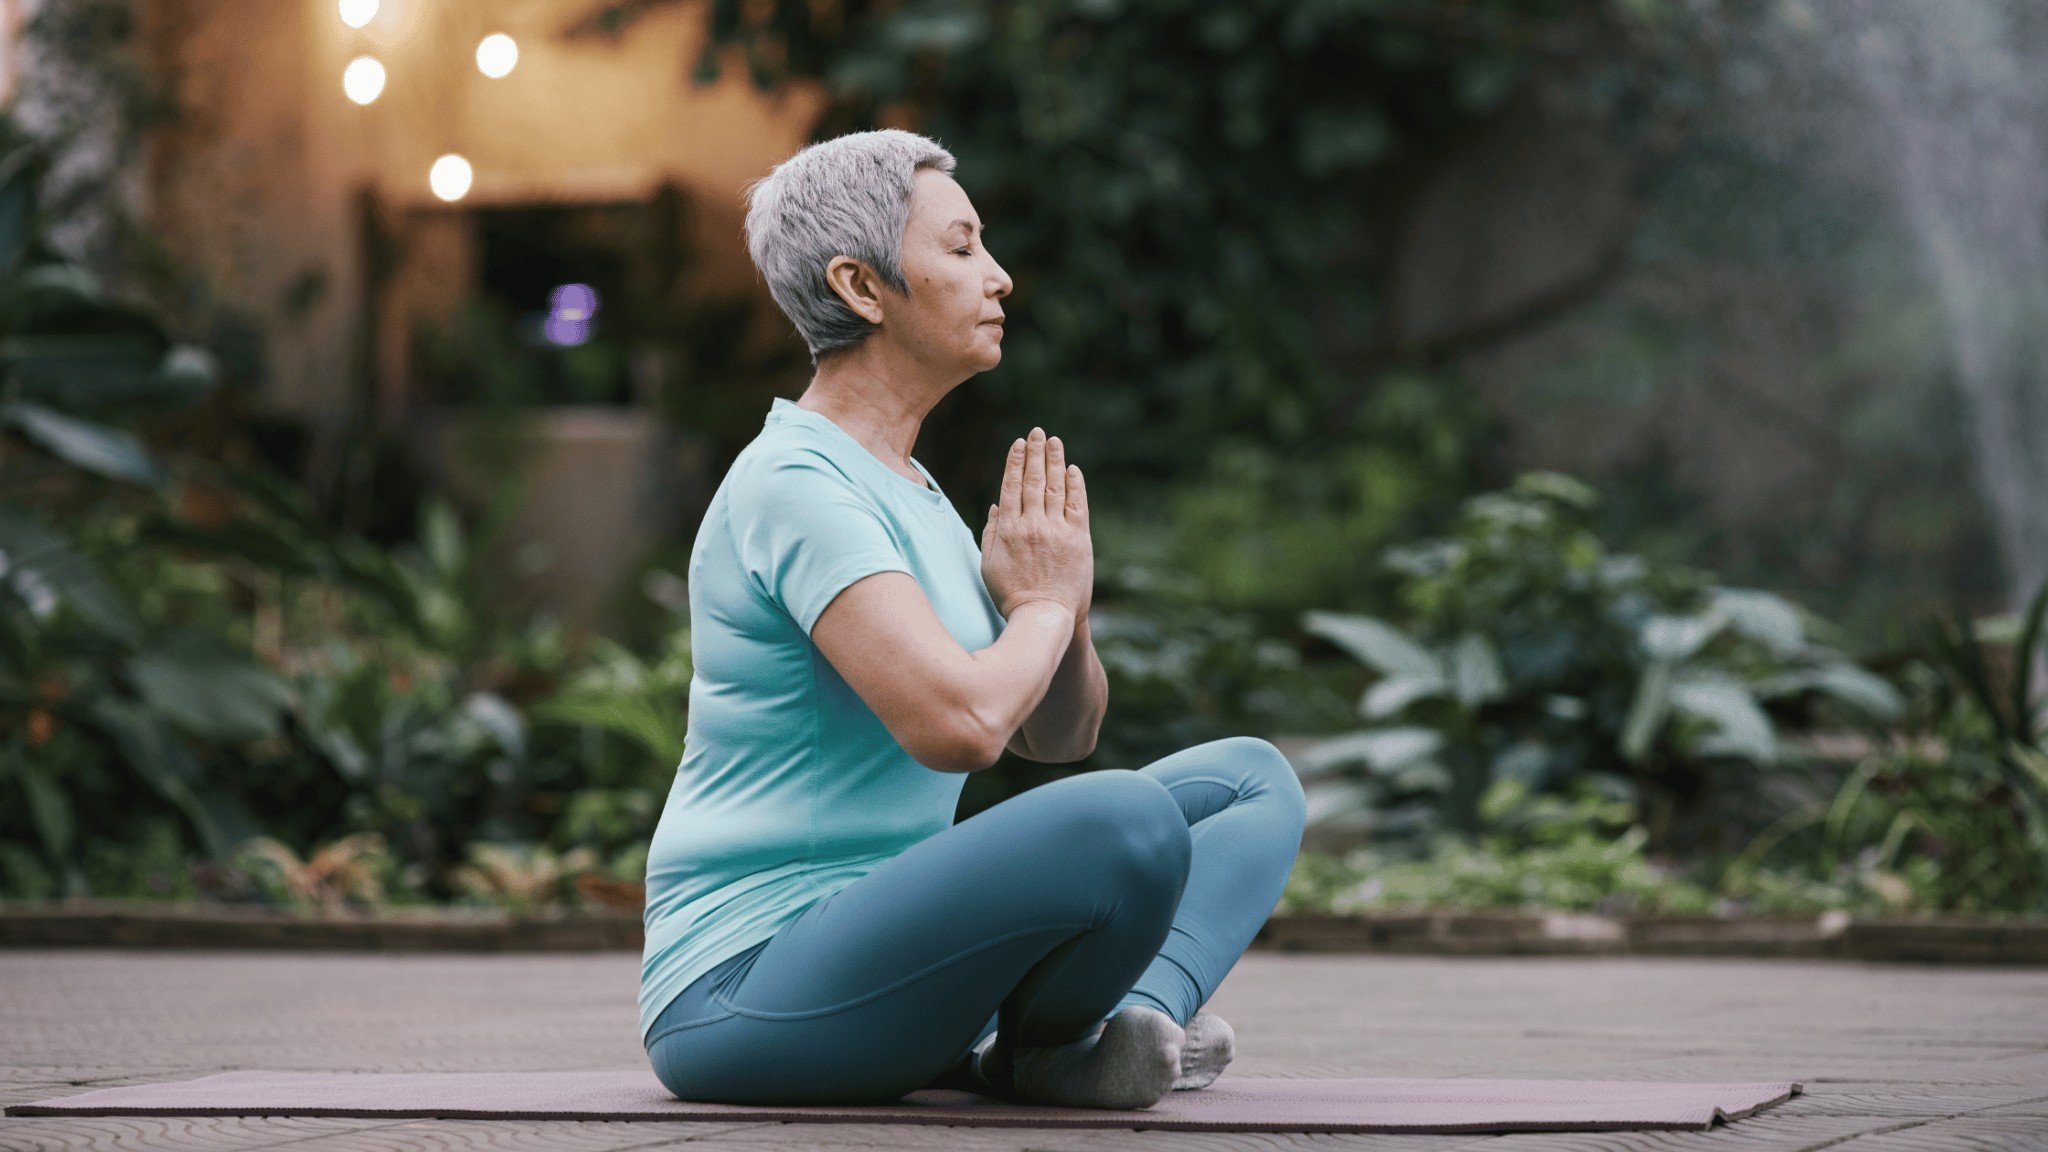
[{"x": 1036, "y": 544}]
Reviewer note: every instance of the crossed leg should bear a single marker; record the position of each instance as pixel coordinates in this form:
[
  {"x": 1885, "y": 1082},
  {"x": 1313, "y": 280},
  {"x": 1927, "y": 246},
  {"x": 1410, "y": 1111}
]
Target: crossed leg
[{"x": 1037, "y": 918}]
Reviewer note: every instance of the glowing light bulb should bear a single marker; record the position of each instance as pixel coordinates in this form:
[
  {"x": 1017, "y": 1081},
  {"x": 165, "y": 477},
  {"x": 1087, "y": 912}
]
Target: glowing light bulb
[
  {"x": 363, "y": 80},
  {"x": 356, "y": 13},
  {"x": 496, "y": 55},
  {"x": 450, "y": 177}
]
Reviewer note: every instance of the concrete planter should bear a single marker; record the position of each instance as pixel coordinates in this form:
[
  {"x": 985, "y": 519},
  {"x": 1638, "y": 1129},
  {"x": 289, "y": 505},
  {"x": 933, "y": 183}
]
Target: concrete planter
[{"x": 601, "y": 483}]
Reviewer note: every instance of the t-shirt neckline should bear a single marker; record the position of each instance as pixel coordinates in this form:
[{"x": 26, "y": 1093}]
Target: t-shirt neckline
[{"x": 783, "y": 406}]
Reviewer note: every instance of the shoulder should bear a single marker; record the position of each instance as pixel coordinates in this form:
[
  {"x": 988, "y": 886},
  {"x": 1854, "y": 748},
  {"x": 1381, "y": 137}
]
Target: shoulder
[
  {"x": 791, "y": 476},
  {"x": 786, "y": 455}
]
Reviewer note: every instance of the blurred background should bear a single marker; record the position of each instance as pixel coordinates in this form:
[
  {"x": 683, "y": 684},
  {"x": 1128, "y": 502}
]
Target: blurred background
[{"x": 1603, "y": 442}]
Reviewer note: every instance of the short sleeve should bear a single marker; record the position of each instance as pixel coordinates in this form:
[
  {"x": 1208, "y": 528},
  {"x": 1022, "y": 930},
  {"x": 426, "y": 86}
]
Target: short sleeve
[{"x": 803, "y": 532}]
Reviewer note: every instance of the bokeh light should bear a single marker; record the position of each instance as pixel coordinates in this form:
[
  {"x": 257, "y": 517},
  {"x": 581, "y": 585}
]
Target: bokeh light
[
  {"x": 363, "y": 80},
  {"x": 567, "y": 333},
  {"x": 356, "y": 13},
  {"x": 450, "y": 177},
  {"x": 571, "y": 308},
  {"x": 496, "y": 55},
  {"x": 578, "y": 301}
]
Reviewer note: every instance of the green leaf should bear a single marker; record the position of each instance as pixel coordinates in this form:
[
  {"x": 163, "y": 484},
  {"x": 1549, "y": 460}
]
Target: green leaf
[
  {"x": 630, "y": 716},
  {"x": 17, "y": 207},
  {"x": 1844, "y": 681},
  {"x": 1770, "y": 620},
  {"x": 1380, "y": 749},
  {"x": 1556, "y": 486},
  {"x": 1526, "y": 761},
  {"x": 187, "y": 373},
  {"x": 1390, "y": 694},
  {"x": 1646, "y": 712},
  {"x": 92, "y": 373},
  {"x": 1338, "y": 803},
  {"x": 498, "y": 717},
  {"x": 32, "y": 556},
  {"x": 48, "y": 808},
  {"x": 164, "y": 763},
  {"x": 1741, "y": 728},
  {"x": 1475, "y": 671},
  {"x": 1375, "y": 642},
  {"x": 2024, "y": 659},
  {"x": 94, "y": 447},
  {"x": 1672, "y": 639},
  {"x": 1418, "y": 776},
  {"x": 209, "y": 691}
]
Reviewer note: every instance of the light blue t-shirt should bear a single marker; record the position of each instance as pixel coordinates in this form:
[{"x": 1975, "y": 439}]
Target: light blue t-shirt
[{"x": 790, "y": 787}]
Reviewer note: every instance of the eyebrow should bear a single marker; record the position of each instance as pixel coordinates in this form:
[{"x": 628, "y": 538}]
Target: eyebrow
[{"x": 957, "y": 223}]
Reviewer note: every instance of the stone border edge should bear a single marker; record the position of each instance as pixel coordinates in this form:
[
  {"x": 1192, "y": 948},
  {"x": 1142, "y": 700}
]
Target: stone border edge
[{"x": 1829, "y": 935}]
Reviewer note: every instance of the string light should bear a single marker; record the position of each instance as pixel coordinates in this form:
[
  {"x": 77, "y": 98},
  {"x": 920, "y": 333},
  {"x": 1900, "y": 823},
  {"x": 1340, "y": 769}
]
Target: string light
[
  {"x": 496, "y": 55},
  {"x": 356, "y": 13},
  {"x": 363, "y": 80},
  {"x": 450, "y": 177}
]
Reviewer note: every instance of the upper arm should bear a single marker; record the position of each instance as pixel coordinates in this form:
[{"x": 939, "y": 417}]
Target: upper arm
[
  {"x": 887, "y": 642},
  {"x": 814, "y": 544}
]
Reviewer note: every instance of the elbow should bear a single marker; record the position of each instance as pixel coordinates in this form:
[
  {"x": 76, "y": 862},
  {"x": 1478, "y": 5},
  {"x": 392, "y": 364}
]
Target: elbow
[
  {"x": 959, "y": 742},
  {"x": 976, "y": 743}
]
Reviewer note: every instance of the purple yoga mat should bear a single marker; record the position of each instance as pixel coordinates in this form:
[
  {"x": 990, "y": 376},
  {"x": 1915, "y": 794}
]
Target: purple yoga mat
[{"x": 1232, "y": 1103}]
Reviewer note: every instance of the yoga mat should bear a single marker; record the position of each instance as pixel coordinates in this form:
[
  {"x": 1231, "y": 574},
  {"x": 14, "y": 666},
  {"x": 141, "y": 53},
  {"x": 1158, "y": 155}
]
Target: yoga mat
[{"x": 1231, "y": 1104}]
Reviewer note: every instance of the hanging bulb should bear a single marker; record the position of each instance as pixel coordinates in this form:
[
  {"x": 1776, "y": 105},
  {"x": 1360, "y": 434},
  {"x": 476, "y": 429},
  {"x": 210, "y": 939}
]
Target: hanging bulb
[
  {"x": 363, "y": 80},
  {"x": 356, "y": 13},
  {"x": 450, "y": 177},
  {"x": 496, "y": 55}
]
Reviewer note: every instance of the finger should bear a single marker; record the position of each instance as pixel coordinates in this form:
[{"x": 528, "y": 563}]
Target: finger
[
  {"x": 1013, "y": 479},
  {"x": 1034, "y": 474},
  {"x": 1055, "y": 478},
  {"x": 1077, "y": 494}
]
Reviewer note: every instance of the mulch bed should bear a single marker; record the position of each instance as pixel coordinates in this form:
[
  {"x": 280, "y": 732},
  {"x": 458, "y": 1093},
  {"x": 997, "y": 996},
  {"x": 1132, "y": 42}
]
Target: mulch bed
[{"x": 1833, "y": 935}]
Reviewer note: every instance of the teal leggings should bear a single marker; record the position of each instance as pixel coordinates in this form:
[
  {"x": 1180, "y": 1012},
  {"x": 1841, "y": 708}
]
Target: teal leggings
[{"x": 1037, "y": 919}]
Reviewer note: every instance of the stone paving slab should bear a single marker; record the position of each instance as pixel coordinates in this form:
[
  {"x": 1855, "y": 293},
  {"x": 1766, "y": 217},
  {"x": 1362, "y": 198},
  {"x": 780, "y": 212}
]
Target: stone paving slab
[{"x": 1893, "y": 1057}]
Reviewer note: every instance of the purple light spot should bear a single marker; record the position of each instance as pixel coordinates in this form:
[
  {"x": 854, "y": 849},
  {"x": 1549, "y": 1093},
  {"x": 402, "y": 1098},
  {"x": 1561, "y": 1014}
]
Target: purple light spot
[
  {"x": 566, "y": 331},
  {"x": 574, "y": 301}
]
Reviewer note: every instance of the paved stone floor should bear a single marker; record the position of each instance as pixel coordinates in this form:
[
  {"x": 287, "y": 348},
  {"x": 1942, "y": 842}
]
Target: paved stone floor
[{"x": 1893, "y": 1057}]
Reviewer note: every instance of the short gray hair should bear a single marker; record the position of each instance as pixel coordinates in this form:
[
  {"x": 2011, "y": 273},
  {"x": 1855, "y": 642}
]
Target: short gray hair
[{"x": 850, "y": 196}]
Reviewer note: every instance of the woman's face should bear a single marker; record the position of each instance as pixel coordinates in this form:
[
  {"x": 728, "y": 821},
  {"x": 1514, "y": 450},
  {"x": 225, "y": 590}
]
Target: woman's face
[{"x": 952, "y": 316}]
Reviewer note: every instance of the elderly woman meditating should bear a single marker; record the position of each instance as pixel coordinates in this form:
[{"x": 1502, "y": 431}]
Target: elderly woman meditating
[{"x": 819, "y": 931}]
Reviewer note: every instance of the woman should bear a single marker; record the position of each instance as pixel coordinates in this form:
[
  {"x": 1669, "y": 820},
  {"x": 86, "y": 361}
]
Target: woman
[{"x": 818, "y": 930}]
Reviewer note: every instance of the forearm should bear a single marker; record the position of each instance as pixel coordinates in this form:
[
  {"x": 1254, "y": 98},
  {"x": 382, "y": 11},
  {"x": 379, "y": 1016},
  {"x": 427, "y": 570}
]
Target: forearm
[
  {"x": 1012, "y": 675},
  {"x": 1066, "y": 722}
]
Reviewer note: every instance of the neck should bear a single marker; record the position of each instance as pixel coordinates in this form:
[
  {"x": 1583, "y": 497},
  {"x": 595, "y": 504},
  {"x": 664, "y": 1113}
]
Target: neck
[{"x": 879, "y": 395}]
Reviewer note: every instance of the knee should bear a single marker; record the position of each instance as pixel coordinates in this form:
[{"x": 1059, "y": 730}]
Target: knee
[
  {"x": 1272, "y": 775},
  {"x": 1132, "y": 819}
]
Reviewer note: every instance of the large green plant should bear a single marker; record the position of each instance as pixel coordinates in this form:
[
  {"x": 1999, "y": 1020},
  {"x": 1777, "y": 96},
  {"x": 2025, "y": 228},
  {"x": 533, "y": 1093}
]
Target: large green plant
[
  {"x": 96, "y": 697},
  {"x": 1951, "y": 809},
  {"x": 1528, "y": 651}
]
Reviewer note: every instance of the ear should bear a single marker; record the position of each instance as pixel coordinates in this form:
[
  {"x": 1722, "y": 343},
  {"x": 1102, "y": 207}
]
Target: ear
[{"x": 857, "y": 285}]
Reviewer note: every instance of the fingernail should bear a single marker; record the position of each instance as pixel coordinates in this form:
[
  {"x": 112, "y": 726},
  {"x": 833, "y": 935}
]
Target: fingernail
[{"x": 1038, "y": 433}]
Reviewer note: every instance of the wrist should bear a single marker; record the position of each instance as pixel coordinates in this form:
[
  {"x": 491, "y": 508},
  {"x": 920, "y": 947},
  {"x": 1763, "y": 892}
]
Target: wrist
[{"x": 1045, "y": 601}]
